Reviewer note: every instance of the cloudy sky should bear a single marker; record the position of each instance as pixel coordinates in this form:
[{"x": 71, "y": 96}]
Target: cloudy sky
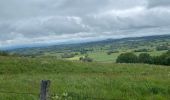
[{"x": 24, "y": 22}]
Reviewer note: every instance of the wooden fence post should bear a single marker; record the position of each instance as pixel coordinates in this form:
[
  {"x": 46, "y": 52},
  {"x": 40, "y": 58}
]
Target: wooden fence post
[{"x": 45, "y": 84}]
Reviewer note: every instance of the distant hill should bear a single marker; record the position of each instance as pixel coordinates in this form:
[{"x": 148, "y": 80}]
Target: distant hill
[{"x": 108, "y": 44}]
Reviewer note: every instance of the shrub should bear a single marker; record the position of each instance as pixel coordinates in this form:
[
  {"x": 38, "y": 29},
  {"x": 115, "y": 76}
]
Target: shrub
[
  {"x": 142, "y": 50},
  {"x": 163, "y": 59},
  {"x": 110, "y": 52},
  {"x": 127, "y": 58},
  {"x": 167, "y": 60},
  {"x": 157, "y": 60},
  {"x": 145, "y": 58},
  {"x": 76, "y": 53},
  {"x": 86, "y": 59}
]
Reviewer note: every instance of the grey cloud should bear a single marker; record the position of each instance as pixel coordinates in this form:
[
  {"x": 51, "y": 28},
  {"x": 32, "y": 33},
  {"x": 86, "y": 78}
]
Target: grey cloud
[
  {"x": 40, "y": 21},
  {"x": 44, "y": 26},
  {"x": 159, "y": 3}
]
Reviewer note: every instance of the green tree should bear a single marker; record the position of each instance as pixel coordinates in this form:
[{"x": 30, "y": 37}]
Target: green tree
[
  {"x": 145, "y": 58},
  {"x": 167, "y": 60},
  {"x": 163, "y": 59},
  {"x": 127, "y": 58}
]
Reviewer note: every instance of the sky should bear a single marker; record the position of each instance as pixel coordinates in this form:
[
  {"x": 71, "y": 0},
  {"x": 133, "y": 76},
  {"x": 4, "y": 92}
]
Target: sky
[{"x": 33, "y": 22}]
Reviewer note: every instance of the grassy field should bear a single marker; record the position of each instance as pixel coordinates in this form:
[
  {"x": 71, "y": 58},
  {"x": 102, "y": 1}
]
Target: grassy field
[
  {"x": 102, "y": 56},
  {"x": 83, "y": 81}
]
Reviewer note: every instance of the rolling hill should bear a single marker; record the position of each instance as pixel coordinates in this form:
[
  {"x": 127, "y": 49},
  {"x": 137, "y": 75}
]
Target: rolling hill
[{"x": 20, "y": 80}]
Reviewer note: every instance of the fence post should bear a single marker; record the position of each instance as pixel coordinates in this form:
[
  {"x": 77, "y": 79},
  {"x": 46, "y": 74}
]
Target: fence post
[{"x": 45, "y": 84}]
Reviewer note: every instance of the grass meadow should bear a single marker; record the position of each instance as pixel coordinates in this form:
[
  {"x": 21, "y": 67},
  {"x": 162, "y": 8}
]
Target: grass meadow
[
  {"x": 102, "y": 56},
  {"x": 75, "y": 80}
]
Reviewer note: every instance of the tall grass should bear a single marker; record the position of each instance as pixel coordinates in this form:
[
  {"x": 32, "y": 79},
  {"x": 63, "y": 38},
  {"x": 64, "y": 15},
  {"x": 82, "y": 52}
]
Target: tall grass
[{"x": 83, "y": 81}]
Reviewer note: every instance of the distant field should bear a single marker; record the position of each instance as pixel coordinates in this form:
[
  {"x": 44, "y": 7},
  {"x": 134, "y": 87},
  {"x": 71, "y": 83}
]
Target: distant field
[
  {"x": 98, "y": 56},
  {"x": 103, "y": 57},
  {"x": 83, "y": 81}
]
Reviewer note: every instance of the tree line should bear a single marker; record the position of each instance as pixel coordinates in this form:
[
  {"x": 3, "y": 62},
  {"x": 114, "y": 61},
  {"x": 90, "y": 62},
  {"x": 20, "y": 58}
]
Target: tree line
[{"x": 163, "y": 59}]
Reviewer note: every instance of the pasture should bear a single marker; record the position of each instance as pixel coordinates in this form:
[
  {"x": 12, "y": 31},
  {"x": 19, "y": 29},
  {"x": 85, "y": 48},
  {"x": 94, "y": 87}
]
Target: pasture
[{"x": 82, "y": 81}]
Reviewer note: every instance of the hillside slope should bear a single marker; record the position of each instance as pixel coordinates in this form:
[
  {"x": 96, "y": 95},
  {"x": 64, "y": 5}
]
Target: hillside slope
[{"x": 82, "y": 81}]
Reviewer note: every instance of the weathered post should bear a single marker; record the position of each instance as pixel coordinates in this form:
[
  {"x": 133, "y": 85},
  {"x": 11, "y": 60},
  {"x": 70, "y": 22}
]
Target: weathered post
[{"x": 45, "y": 84}]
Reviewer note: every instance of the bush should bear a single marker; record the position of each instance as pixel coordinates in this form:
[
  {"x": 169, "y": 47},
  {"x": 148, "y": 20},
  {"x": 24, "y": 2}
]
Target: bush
[
  {"x": 86, "y": 59},
  {"x": 167, "y": 60},
  {"x": 76, "y": 53},
  {"x": 163, "y": 59},
  {"x": 145, "y": 58},
  {"x": 156, "y": 60},
  {"x": 110, "y": 52},
  {"x": 142, "y": 50},
  {"x": 127, "y": 58}
]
